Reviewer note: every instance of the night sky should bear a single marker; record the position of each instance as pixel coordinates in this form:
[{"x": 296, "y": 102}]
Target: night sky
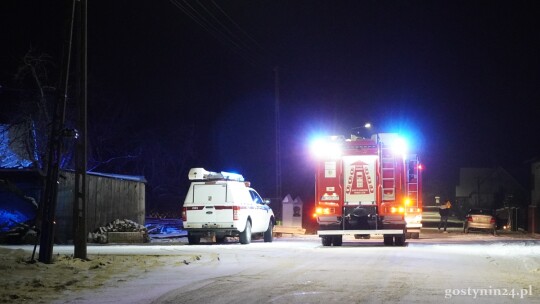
[{"x": 461, "y": 79}]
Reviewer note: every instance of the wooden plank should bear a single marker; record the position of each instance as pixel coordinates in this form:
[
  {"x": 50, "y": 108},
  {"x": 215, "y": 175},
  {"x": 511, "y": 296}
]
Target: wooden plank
[
  {"x": 142, "y": 202},
  {"x": 100, "y": 220},
  {"x": 125, "y": 237},
  {"x": 91, "y": 203}
]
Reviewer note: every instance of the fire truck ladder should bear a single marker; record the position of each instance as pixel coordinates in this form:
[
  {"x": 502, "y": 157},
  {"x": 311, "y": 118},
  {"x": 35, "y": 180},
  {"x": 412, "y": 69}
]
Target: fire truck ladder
[
  {"x": 412, "y": 183},
  {"x": 388, "y": 174}
]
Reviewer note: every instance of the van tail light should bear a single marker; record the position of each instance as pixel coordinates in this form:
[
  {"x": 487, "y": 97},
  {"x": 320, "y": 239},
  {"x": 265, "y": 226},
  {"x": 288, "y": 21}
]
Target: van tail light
[
  {"x": 235, "y": 212},
  {"x": 492, "y": 221},
  {"x": 184, "y": 214},
  {"x": 469, "y": 219}
]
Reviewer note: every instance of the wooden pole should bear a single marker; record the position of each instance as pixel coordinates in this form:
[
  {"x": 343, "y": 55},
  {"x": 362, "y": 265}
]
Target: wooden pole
[{"x": 79, "y": 206}]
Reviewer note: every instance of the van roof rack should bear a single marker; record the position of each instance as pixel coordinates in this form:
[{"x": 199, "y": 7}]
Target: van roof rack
[{"x": 202, "y": 174}]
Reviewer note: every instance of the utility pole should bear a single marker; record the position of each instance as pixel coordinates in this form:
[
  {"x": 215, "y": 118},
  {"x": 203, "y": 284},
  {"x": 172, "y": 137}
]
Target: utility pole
[
  {"x": 47, "y": 210},
  {"x": 48, "y": 203},
  {"x": 79, "y": 204},
  {"x": 57, "y": 135},
  {"x": 278, "y": 148}
]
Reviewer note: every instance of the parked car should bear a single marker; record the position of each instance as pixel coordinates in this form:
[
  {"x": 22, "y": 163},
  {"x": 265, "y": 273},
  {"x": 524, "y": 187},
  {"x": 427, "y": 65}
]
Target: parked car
[
  {"x": 480, "y": 219},
  {"x": 223, "y": 205}
]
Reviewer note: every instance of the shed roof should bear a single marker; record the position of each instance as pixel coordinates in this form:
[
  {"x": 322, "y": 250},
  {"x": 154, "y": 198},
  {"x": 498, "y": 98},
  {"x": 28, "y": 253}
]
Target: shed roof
[{"x": 135, "y": 178}]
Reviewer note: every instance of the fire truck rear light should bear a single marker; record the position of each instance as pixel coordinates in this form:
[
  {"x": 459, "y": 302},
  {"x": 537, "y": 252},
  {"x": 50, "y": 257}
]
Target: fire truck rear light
[
  {"x": 320, "y": 211},
  {"x": 184, "y": 214},
  {"x": 469, "y": 219},
  {"x": 235, "y": 212},
  {"x": 397, "y": 210}
]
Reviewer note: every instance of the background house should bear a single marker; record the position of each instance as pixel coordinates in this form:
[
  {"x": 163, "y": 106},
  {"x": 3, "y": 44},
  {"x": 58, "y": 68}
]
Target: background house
[{"x": 492, "y": 188}]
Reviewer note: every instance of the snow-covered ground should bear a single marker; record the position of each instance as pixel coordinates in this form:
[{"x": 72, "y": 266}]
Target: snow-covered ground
[{"x": 437, "y": 267}]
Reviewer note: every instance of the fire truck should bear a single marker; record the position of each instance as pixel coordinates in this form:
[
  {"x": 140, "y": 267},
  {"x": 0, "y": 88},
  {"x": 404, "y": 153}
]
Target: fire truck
[{"x": 367, "y": 186}]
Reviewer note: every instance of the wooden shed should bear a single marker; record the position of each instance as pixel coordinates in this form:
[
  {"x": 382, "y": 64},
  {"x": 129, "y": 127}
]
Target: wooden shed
[{"x": 110, "y": 197}]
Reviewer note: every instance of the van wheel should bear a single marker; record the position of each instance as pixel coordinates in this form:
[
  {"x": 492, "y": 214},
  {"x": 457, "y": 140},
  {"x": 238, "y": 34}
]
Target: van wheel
[
  {"x": 220, "y": 239},
  {"x": 388, "y": 240},
  {"x": 194, "y": 239},
  {"x": 245, "y": 236},
  {"x": 269, "y": 233}
]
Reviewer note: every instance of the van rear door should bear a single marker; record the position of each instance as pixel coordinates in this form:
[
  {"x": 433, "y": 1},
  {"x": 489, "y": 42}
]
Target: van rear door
[{"x": 209, "y": 204}]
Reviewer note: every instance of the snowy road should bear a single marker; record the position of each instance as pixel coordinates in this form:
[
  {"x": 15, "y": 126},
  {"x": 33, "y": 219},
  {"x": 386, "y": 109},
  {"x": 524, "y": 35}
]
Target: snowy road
[{"x": 452, "y": 268}]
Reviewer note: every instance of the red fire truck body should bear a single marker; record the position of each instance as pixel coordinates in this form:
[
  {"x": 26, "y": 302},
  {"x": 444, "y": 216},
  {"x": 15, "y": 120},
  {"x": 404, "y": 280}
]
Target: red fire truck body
[{"x": 364, "y": 187}]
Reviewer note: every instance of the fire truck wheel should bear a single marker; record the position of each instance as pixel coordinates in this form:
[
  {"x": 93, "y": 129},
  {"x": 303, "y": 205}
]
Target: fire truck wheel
[
  {"x": 193, "y": 239},
  {"x": 245, "y": 236},
  {"x": 269, "y": 233},
  {"x": 326, "y": 240},
  {"x": 337, "y": 240},
  {"x": 220, "y": 239},
  {"x": 388, "y": 240},
  {"x": 399, "y": 240}
]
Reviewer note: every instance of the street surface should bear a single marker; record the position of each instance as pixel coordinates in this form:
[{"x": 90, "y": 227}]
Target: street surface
[{"x": 452, "y": 268}]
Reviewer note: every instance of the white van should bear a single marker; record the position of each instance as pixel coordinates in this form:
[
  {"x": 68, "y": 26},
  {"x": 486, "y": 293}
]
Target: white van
[{"x": 222, "y": 204}]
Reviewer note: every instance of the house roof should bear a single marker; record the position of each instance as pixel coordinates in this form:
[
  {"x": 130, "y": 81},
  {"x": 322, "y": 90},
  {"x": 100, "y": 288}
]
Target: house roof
[{"x": 488, "y": 179}]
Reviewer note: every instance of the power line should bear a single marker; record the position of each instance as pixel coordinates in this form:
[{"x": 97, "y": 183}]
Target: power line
[
  {"x": 266, "y": 53},
  {"x": 238, "y": 40}
]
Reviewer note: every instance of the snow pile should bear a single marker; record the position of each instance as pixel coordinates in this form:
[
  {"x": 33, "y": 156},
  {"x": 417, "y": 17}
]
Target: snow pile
[
  {"x": 24, "y": 281},
  {"x": 100, "y": 234}
]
